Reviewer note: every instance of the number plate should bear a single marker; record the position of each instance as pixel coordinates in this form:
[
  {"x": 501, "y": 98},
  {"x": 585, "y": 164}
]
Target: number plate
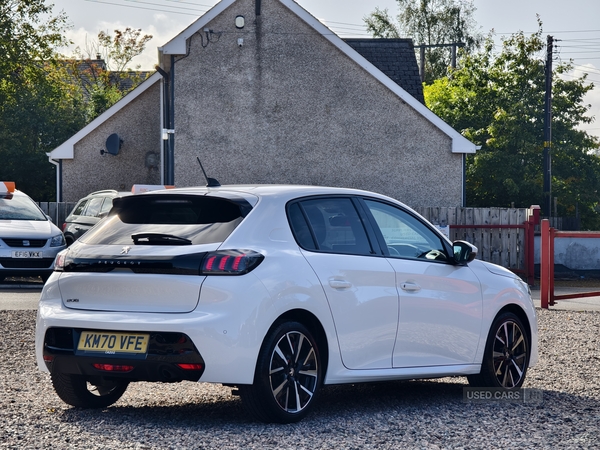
[
  {"x": 21, "y": 254},
  {"x": 108, "y": 342}
]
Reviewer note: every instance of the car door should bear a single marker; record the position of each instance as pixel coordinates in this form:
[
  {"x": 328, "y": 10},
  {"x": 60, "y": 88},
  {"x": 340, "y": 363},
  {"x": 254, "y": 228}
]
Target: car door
[
  {"x": 440, "y": 302},
  {"x": 358, "y": 281}
]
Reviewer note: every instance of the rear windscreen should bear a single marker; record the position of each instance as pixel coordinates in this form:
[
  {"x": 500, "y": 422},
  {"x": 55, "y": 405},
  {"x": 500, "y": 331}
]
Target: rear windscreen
[{"x": 197, "y": 219}]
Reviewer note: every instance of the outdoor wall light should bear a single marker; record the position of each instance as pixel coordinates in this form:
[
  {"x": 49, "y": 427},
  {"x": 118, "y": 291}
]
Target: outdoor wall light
[
  {"x": 239, "y": 22},
  {"x": 152, "y": 160}
]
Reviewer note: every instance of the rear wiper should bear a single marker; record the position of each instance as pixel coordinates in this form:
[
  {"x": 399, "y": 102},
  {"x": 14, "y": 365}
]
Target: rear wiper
[{"x": 159, "y": 239}]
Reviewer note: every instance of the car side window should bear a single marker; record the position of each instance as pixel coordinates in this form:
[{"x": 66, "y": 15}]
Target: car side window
[
  {"x": 334, "y": 226},
  {"x": 405, "y": 235},
  {"x": 79, "y": 208},
  {"x": 93, "y": 207},
  {"x": 300, "y": 227},
  {"x": 106, "y": 206}
]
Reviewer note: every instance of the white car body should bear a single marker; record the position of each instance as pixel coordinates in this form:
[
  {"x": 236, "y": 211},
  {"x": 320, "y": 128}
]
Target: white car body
[{"x": 383, "y": 318}]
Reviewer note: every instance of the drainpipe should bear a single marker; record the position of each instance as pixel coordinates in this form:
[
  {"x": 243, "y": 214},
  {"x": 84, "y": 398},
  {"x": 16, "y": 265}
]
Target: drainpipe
[
  {"x": 464, "y": 180},
  {"x": 58, "y": 165},
  {"x": 167, "y": 130},
  {"x": 171, "y": 151}
]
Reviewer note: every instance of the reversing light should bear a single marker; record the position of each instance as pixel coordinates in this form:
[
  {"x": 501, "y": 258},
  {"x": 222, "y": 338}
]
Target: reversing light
[
  {"x": 190, "y": 366},
  {"x": 230, "y": 262},
  {"x": 112, "y": 367}
]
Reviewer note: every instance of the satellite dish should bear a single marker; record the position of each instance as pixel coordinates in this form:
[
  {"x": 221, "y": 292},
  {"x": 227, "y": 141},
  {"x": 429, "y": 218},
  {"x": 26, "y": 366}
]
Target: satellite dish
[{"x": 113, "y": 144}]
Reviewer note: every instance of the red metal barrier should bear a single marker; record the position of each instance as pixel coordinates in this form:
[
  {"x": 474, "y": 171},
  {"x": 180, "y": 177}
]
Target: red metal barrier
[
  {"x": 530, "y": 244},
  {"x": 547, "y": 295},
  {"x": 545, "y": 264}
]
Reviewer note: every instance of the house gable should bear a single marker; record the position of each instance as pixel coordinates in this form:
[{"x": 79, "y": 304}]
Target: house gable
[
  {"x": 295, "y": 105},
  {"x": 180, "y": 46}
]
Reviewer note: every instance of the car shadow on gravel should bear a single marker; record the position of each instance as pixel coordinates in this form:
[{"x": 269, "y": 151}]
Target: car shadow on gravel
[
  {"x": 380, "y": 413},
  {"x": 224, "y": 409}
]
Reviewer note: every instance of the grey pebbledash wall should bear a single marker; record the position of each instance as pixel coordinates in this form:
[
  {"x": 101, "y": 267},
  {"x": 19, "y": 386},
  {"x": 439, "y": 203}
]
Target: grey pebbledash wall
[
  {"x": 289, "y": 107},
  {"x": 138, "y": 124}
]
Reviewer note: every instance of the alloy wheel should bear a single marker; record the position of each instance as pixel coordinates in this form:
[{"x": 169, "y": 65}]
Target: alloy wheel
[
  {"x": 293, "y": 372},
  {"x": 509, "y": 354}
]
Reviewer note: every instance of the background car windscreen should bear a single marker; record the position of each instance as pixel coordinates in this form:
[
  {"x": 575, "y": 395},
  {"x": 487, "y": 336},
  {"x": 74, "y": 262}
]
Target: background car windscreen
[
  {"x": 20, "y": 208},
  {"x": 199, "y": 219}
]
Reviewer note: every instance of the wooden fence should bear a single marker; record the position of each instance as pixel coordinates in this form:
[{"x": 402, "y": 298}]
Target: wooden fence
[
  {"x": 498, "y": 233},
  {"x": 503, "y": 245},
  {"x": 58, "y": 212}
]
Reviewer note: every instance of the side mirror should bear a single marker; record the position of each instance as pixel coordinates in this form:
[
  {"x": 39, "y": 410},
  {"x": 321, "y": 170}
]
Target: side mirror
[{"x": 464, "y": 252}]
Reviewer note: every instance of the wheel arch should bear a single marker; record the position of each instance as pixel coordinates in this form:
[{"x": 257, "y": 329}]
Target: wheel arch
[
  {"x": 310, "y": 321},
  {"x": 520, "y": 313}
]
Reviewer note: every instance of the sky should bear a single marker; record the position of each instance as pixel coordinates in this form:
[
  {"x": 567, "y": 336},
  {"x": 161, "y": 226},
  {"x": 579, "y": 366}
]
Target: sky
[{"x": 574, "y": 23}]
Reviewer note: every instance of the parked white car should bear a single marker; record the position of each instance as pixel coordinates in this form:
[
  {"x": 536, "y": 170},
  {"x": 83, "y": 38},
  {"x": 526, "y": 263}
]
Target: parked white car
[
  {"x": 29, "y": 241},
  {"x": 276, "y": 290}
]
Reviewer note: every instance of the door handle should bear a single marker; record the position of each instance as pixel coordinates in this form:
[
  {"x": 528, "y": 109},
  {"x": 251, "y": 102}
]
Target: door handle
[
  {"x": 410, "y": 287},
  {"x": 339, "y": 284}
]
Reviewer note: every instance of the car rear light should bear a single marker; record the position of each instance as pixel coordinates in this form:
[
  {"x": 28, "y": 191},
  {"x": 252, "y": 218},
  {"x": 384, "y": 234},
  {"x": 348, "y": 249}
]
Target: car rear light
[
  {"x": 230, "y": 262},
  {"x": 112, "y": 368},
  {"x": 59, "y": 262},
  {"x": 190, "y": 366},
  {"x": 64, "y": 226}
]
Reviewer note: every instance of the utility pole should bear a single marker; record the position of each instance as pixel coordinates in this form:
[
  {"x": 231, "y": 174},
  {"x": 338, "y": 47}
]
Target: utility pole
[
  {"x": 547, "y": 157},
  {"x": 422, "y": 48}
]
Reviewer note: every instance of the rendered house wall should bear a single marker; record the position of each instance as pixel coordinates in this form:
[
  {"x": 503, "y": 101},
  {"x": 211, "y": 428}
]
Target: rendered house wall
[{"x": 289, "y": 107}]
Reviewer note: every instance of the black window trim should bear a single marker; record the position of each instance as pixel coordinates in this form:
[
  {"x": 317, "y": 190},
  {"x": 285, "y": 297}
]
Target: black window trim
[{"x": 374, "y": 243}]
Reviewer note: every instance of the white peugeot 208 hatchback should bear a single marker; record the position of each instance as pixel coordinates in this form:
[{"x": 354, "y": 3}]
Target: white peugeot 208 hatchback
[{"x": 276, "y": 291}]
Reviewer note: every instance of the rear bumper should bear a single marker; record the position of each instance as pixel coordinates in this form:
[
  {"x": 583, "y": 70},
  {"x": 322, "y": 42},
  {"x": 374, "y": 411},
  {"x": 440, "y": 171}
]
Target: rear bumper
[
  {"x": 222, "y": 330},
  {"x": 161, "y": 362}
]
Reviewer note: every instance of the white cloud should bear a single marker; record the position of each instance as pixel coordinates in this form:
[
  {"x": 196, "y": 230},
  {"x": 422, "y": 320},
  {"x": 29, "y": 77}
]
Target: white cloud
[{"x": 162, "y": 29}]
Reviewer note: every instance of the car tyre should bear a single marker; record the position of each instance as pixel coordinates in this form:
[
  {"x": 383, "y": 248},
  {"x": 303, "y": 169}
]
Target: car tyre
[
  {"x": 288, "y": 376},
  {"x": 506, "y": 355},
  {"x": 75, "y": 390}
]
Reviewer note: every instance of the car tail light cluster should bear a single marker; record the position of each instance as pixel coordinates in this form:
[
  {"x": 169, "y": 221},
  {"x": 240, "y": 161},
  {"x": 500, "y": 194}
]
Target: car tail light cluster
[
  {"x": 221, "y": 262},
  {"x": 59, "y": 261},
  {"x": 230, "y": 262}
]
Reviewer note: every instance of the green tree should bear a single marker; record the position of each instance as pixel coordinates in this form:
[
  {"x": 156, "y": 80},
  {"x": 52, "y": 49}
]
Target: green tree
[
  {"x": 38, "y": 110},
  {"x": 102, "y": 70},
  {"x": 430, "y": 22},
  {"x": 497, "y": 101}
]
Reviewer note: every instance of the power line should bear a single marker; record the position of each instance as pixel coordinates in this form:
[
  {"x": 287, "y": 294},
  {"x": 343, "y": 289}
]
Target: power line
[
  {"x": 553, "y": 32},
  {"x": 587, "y": 68},
  {"x": 199, "y": 12}
]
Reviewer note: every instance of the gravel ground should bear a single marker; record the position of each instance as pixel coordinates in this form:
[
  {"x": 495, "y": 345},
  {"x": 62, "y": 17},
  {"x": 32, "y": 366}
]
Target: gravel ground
[{"x": 416, "y": 414}]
